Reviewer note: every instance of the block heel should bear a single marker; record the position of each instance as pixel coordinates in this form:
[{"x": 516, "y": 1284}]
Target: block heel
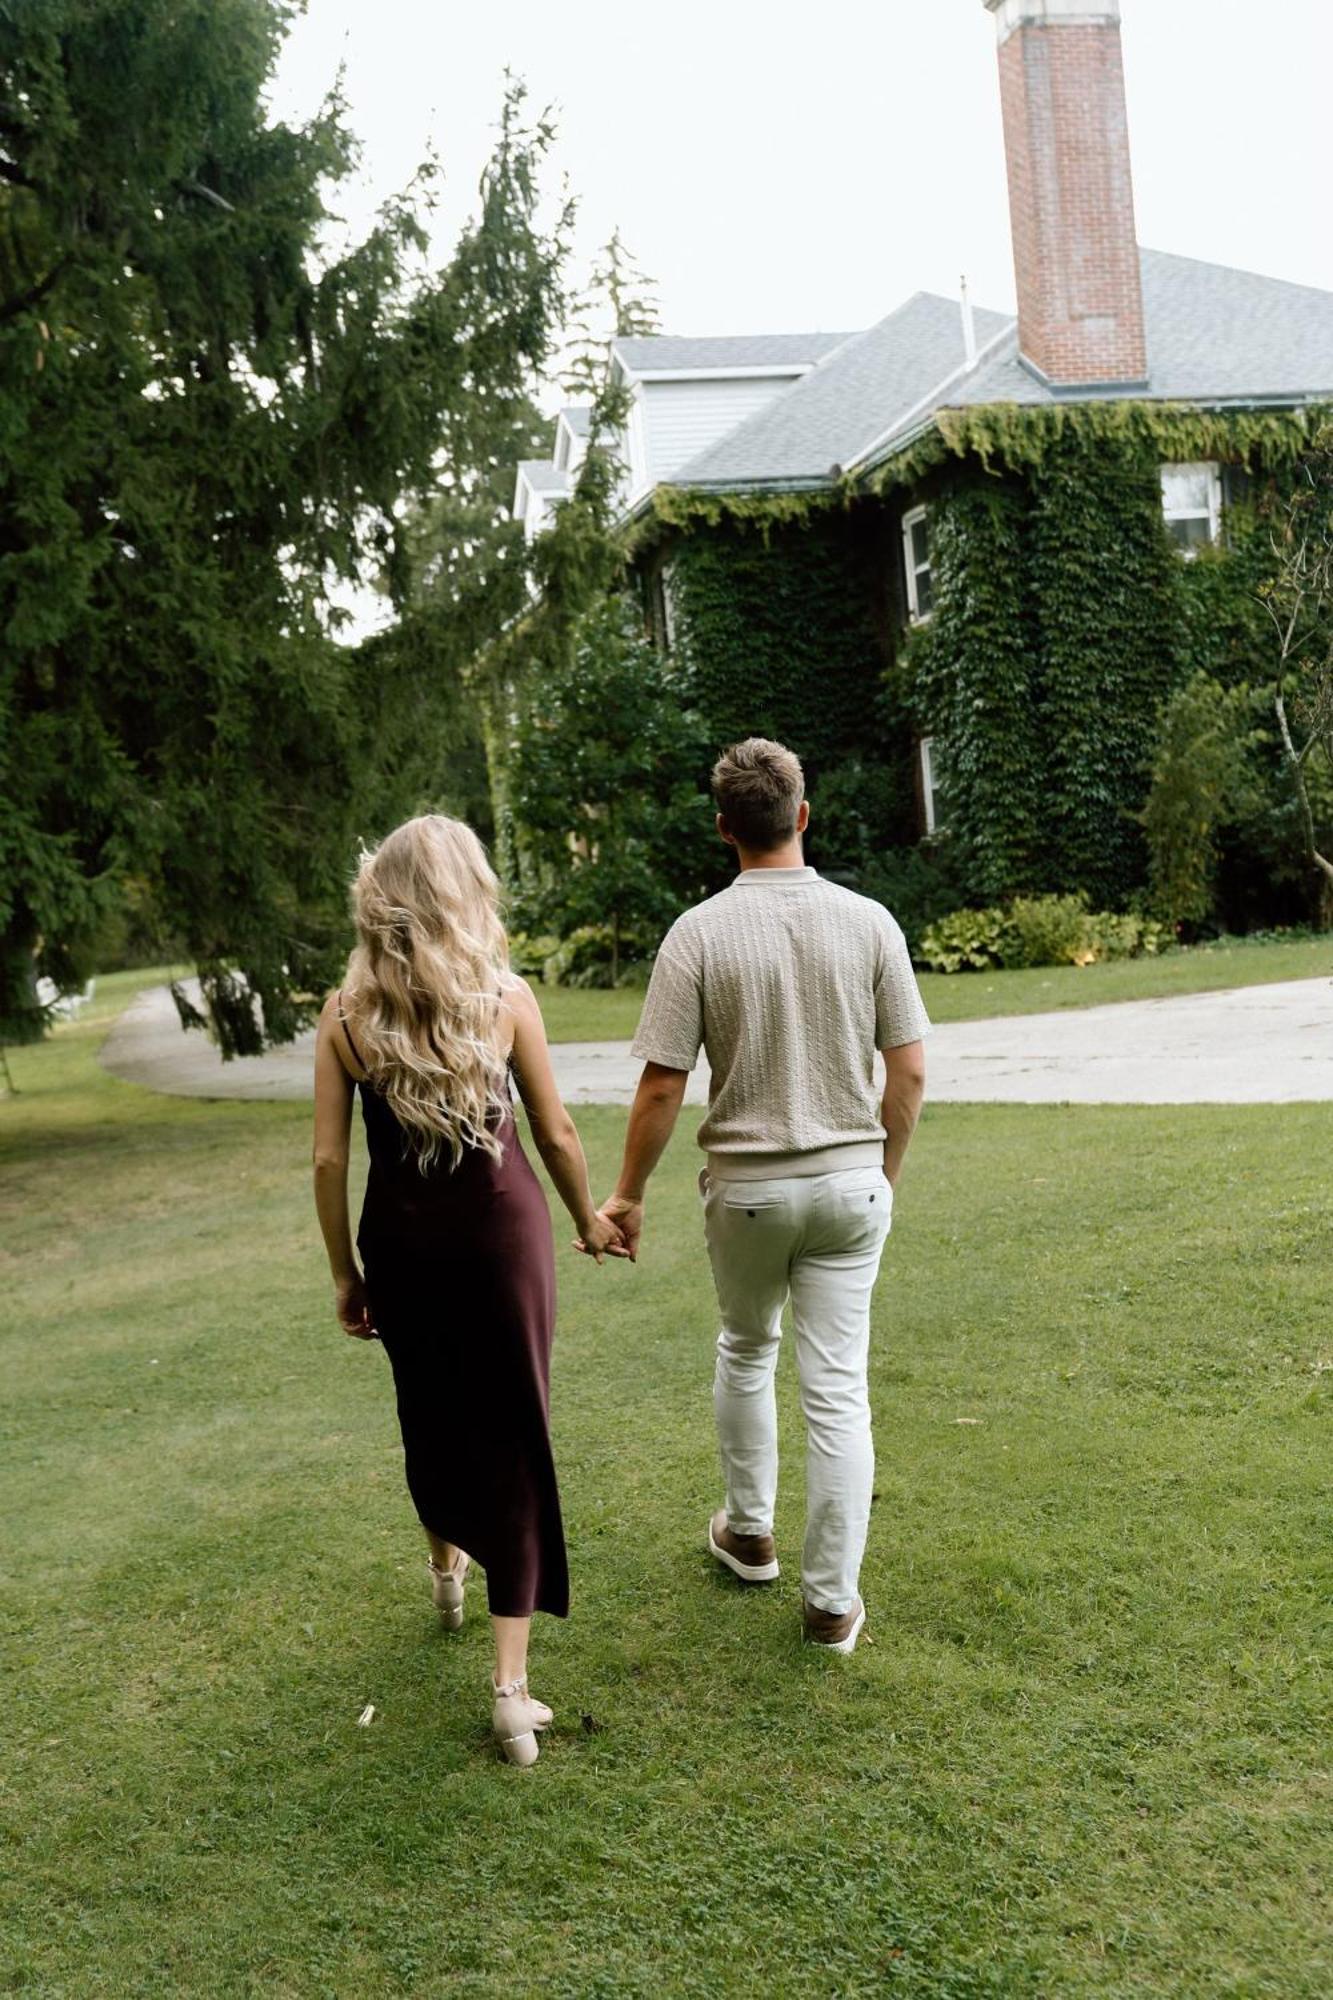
[{"x": 515, "y": 1720}]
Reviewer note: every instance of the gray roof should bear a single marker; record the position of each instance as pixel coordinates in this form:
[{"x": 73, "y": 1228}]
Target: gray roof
[
  {"x": 731, "y": 350},
  {"x": 833, "y": 413},
  {"x": 543, "y": 476},
  {"x": 1215, "y": 335},
  {"x": 579, "y": 418}
]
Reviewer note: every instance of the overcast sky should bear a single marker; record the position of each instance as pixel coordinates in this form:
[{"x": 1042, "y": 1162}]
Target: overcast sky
[{"x": 783, "y": 168}]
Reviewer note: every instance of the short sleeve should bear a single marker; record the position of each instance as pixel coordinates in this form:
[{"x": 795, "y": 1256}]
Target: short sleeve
[
  {"x": 671, "y": 1026},
  {"x": 900, "y": 1013}
]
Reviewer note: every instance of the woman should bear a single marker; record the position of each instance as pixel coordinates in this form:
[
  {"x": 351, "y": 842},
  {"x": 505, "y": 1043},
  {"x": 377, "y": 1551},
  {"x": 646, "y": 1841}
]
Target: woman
[{"x": 455, "y": 1237}]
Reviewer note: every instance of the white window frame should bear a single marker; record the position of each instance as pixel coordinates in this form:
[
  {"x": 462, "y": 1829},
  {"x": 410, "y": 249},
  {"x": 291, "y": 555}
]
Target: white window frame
[
  {"x": 1213, "y": 473},
  {"x": 929, "y": 783},
  {"x": 912, "y": 569}
]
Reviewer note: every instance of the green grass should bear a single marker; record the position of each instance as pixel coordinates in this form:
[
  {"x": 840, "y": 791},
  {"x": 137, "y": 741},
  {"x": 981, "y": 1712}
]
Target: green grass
[
  {"x": 1085, "y": 1754},
  {"x": 576, "y": 1016}
]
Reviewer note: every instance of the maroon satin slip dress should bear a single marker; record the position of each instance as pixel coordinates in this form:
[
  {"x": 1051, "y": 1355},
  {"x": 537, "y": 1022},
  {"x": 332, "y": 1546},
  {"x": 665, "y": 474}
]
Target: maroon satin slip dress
[{"x": 460, "y": 1270}]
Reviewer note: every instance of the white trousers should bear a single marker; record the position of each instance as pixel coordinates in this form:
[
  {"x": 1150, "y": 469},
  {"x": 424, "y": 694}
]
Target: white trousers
[{"x": 818, "y": 1241}]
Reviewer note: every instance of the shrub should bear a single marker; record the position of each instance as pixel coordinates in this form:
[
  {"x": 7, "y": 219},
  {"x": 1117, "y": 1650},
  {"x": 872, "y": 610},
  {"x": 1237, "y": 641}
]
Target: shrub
[
  {"x": 592, "y": 955},
  {"x": 1049, "y": 930},
  {"x": 529, "y": 952},
  {"x": 1037, "y": 930},
  {"x": 1200, "y": 782},
  {"x": 1128, "y": 935},
  {"x": 967, "y": 941}
]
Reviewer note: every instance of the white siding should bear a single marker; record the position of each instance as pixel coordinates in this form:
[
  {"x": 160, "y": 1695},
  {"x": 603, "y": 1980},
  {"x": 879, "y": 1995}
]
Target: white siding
[
  {"x": 570, "y": 449},
  {"x": 681, "y": 419}
]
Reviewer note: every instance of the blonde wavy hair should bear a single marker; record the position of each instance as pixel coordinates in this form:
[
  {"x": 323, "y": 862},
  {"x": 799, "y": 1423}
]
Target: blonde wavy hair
[{"x": 424, "y": 985}]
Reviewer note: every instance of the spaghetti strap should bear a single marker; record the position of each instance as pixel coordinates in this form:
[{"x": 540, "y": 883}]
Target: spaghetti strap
[{"x": 356, "y": 1053}]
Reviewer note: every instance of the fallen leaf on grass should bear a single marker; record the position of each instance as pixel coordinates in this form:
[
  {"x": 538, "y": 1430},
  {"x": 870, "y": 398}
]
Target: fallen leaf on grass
[
  {"x": 367, "y": 1716},
  {"x": 969, "y": 1420}
]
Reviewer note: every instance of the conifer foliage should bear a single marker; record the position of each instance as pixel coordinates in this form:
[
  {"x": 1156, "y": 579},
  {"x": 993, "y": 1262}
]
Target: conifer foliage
[{"x": 207, "y": 423}]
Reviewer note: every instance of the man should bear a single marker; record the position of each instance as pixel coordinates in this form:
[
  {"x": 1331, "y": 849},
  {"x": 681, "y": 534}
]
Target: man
[{"x": 791, "y": 984}]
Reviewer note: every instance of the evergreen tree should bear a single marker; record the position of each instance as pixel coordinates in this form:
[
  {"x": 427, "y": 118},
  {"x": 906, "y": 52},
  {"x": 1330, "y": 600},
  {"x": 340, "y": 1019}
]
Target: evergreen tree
[
  {"x": 606, "y": 788},
  {"x": 205, "y": 427}
]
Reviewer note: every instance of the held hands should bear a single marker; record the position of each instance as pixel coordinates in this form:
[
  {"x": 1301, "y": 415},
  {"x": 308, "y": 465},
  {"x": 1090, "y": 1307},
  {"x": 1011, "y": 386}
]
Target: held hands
[
  {"x": 600, "y": 1238},
  {"x": 353, "y": 1308},
  {"x": 626, "y": 1217}
]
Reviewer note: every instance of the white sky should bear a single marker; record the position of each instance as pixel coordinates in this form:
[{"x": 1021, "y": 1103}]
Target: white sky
[{"x": 782, "y": 168}]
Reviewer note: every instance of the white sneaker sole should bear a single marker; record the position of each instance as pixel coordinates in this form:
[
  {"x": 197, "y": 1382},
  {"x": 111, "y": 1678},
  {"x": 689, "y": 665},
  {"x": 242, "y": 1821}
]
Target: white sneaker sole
[
  {"x": 847, "y": 1645},
  {"x": 747, "y": 1572}
]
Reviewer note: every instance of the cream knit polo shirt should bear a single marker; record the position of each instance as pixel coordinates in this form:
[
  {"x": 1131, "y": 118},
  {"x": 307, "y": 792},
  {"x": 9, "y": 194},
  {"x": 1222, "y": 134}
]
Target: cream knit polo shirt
[{"x": 790, "y": 984}]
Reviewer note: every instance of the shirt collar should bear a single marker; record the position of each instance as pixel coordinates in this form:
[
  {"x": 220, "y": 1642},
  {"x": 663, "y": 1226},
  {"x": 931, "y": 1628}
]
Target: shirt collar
[{"x": 776, "y": 877}]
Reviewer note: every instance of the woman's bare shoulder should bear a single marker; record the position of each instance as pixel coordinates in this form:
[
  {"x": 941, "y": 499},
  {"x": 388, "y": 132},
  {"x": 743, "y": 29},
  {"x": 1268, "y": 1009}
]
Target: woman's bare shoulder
[{"x": 521, "y": 1003}]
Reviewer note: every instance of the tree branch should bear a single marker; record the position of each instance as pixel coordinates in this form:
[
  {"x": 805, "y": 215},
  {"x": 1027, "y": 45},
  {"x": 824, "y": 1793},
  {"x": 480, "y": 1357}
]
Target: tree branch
[{"x": 1302, "y": 795}]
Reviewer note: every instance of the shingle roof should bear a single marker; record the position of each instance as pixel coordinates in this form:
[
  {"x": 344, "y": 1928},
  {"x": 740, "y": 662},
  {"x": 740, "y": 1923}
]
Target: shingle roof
[
  {"x": 579, "y": 418},
  {"x": 1215, "y": 335},
  {"x": 668, "y": 351},
  {"x": 542, "y": 476},
  {"x": 834, "y": 412}
]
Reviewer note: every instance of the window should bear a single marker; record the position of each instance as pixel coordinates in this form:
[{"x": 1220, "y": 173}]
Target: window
[
  {"x": 1192, "y": 505},
  {"x": 916, "y": 557},
  {"x": 930, "y": 785}
]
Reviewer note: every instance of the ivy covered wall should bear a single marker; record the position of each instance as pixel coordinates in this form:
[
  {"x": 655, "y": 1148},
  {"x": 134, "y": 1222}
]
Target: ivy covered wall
[
  {"x": 1064, "y": 620},
  {"x": 785, "y": 627}
]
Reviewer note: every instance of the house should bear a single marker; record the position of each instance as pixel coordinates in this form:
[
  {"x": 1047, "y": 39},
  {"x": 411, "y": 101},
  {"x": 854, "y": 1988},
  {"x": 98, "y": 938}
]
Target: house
[{"x": 1216, "y": 376}]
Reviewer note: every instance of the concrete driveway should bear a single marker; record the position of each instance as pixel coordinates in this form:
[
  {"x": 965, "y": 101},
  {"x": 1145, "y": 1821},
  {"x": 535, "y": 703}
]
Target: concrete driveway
[{"x": 1252, "y": 1045}]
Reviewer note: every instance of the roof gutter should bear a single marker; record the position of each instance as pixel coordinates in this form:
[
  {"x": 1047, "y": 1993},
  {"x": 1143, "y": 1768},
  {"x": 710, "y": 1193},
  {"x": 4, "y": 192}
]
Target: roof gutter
[{"x": 903, "y": 440}]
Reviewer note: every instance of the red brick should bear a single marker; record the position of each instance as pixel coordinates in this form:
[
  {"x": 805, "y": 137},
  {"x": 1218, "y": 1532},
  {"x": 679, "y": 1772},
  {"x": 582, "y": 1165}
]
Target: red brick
[{"x": 1071, "y": 202}]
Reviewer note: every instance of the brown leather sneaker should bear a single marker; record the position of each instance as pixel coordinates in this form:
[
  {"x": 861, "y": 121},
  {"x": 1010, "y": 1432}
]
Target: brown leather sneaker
[
  {"x": 753, "y": 1558},
  {"x": 839, "y": 1631}
]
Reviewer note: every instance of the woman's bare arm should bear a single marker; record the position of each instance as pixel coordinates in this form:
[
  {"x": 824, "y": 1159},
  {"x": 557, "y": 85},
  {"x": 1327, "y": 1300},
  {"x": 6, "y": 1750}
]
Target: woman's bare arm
[
  {"x": 553, "y": 1130},
  {"x": 334, "y": 1091}
]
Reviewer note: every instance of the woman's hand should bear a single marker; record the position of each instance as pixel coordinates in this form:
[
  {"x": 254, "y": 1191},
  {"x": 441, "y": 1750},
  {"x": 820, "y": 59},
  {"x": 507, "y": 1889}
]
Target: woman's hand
[
  {"x": 353, "y": 1308},
  {"x": 600, "y": 1238}
]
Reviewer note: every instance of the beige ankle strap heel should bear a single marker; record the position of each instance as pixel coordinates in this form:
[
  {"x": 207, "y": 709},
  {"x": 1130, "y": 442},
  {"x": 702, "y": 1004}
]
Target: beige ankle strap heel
[
  {"x": 446, "y": 1591},
  {"x": 516, "y": 1719}
]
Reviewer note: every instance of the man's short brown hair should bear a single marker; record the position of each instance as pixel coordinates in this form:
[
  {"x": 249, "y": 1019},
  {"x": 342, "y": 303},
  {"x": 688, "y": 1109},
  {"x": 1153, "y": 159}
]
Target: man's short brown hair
[{"x": 758, "y": 787}]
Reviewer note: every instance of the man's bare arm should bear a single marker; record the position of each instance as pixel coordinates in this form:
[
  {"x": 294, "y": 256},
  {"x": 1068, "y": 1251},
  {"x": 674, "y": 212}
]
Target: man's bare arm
[
  {"x": 652, "y": 1120},
  {"x": 904, "y": 1088}
]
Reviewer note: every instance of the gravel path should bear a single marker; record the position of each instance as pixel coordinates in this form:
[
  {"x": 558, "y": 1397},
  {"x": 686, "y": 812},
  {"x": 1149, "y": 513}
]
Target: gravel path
[{"x": 1253, "y": 1045}]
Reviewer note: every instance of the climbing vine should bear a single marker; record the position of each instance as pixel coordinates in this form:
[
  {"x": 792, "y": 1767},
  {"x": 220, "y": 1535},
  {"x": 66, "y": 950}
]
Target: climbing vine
[
  {"x": 1065, "y": 622},
  {"x": 972, "y": 675},
  {"x": 780, "y": 624}
]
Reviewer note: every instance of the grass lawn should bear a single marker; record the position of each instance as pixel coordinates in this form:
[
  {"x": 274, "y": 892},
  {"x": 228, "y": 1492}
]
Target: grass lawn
[
  {"x": 1085, "y": 1754},
  {"x": 576, "y": 1016}
]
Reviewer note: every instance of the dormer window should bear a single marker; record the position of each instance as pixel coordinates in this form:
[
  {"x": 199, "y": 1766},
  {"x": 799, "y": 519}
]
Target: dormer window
[
  {"x": 1192, "y": 505},
  {"x": 916, "y": 563}
]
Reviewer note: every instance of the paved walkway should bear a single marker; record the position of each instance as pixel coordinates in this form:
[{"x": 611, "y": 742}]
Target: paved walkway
[{"x": 1254, "y": 1045}]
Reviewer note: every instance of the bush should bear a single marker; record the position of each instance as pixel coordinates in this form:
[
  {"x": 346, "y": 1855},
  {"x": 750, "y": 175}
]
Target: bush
[
  {"x": 1201, "y": 782},
  {"x": 967, "y": 941},
  {"x": 589, "y": 957},
  {"x": 529, "y": 952},
  {"x": 1127, "y": 936},
  {"x": 1049, "y": 930},
  {"x": 1037, "y": 930}
]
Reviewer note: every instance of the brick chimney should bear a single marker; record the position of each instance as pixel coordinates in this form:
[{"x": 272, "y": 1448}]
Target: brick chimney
[{"x": 1071, "y": 192}]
